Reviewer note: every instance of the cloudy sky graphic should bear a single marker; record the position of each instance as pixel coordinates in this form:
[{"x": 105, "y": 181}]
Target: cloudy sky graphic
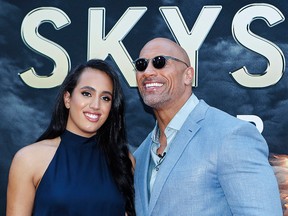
[{"x": 25, "y": 111}]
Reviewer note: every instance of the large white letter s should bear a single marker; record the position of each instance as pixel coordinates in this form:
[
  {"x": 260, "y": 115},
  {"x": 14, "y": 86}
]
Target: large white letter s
[
  {"x": 39, "y": 44},
  {"x": 242, "y": 34}
]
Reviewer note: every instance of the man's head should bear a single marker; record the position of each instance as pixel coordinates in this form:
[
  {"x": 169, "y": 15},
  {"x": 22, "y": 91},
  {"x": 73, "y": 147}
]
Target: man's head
[{"x": 164, "y": 82}]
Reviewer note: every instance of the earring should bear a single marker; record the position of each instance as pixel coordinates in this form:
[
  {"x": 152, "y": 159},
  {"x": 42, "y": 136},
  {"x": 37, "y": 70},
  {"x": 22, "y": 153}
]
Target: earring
[{"x": 67, "y": 105}]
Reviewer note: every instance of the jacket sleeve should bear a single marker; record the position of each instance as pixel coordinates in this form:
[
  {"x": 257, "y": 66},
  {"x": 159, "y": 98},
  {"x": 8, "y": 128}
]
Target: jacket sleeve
[{"x": 245, "y": 174}]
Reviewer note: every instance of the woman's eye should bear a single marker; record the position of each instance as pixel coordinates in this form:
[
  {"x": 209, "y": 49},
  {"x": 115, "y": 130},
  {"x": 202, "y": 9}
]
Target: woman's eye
[
  {"x": 106, "y": 98},
  {"x": 87, "y": 94}
]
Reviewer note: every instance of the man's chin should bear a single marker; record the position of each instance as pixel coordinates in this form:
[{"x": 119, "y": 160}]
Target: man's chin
[{"x": 153, "y": 102}]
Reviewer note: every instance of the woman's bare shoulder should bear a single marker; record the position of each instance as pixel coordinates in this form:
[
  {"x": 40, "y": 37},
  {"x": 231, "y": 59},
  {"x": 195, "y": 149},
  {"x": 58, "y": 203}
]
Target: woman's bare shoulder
[
  {"x": 26, "y": 171},
  {"x": 35, "y": 155},
  {"x": 37, "y": 150},
  {"x": 31, "y": 161}
]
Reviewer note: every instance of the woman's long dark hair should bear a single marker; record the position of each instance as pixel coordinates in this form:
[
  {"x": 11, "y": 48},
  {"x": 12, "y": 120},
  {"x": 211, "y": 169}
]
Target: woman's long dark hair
[{"x": 111, "y": 136}]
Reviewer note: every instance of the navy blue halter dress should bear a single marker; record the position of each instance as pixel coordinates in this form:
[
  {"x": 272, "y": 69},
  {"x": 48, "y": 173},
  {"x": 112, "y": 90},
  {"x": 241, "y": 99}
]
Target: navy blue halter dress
[{"x": 78, "y": 182}]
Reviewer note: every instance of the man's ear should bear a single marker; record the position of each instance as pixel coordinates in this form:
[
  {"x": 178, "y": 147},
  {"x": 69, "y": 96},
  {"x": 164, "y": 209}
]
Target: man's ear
[
  {"x": 189, "y": 74},
  {"x": 66, "y": 99}
]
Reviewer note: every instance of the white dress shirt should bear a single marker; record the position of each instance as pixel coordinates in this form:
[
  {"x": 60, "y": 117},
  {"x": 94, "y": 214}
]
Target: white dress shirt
[{"x": 170, "y": 131}]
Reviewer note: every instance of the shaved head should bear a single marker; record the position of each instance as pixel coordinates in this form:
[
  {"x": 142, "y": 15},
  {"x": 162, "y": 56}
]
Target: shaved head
[{"x": 164, "y": 46}]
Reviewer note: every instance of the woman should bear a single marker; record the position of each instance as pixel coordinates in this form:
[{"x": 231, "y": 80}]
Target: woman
[{"x": 80, "y": 165}]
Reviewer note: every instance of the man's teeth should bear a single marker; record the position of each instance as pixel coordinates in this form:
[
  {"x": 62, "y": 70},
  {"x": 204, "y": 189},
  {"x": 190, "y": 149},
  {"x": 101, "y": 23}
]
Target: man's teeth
[
  {"x": 149, "y": 85},
  {"x": 93, "y": 116}
]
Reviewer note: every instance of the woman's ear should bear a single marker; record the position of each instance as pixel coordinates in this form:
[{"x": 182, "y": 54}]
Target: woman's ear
[
  {"x": 66, "y": 99},
  {"x": 189, "y": 74}
]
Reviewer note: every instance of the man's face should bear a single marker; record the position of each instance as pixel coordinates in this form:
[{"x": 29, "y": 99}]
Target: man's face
[{"x": 165, "y": 87}]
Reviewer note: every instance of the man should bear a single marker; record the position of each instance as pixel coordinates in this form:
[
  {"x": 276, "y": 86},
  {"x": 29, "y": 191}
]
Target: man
[{"x": 197, "y": 160}]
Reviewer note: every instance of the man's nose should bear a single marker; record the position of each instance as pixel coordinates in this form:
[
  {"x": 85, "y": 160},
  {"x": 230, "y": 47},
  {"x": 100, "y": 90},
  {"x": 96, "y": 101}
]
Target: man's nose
[{"x": 150, "y": 70}]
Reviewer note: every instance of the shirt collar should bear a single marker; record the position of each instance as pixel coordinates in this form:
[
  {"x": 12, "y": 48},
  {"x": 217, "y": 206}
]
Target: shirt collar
[
  {"x": 181, "y": 116},
  {"x": 178, "y": 120}
]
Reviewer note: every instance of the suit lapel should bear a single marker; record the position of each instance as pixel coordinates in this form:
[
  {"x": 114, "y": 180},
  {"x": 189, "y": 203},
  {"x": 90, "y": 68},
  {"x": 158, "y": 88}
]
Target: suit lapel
[
  {"x": 142, "y": 172},
  {"x": 182, "y": 139}
]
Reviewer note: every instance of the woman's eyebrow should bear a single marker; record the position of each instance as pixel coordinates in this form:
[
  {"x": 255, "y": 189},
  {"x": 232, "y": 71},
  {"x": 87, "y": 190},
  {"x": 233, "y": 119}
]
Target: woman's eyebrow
[
  {"x": 88, "y": 87},
  {"x": 108, "y": 92},
  {"x": 93, "y": 89}
]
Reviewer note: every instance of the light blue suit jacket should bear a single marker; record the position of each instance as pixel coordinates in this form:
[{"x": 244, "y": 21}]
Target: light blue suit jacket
[{"x": 217, "y": 165}]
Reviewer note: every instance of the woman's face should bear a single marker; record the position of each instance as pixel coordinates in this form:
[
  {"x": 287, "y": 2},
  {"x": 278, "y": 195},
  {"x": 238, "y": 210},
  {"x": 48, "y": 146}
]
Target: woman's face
[{"x": 90, "y": 102}]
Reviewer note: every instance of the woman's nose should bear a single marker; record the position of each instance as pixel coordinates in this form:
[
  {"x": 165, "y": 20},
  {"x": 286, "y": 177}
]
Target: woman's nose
[{"x": 94, "y": 104}]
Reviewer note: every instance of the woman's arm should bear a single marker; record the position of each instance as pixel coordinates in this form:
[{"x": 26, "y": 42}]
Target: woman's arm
[
  {"x": 21, "y": 188},
  {"x": 26, "y": 171}
]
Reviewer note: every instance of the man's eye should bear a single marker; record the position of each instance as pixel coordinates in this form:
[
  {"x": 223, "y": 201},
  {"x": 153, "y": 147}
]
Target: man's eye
[
  {"x": 87, "y": 94},
  {"x": 106, "y": 98}
]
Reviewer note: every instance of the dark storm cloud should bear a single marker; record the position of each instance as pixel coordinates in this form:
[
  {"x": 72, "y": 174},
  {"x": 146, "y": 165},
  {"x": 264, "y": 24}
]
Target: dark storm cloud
[
  {"x": 168, "y": 1},
  {"x": 22, "y": 113},
  {"x": 215, "y": 63},
  {"x": 6, "y": 10},
  {"x": 8, "y": 19},
  {"x": 139, "y": 122}
]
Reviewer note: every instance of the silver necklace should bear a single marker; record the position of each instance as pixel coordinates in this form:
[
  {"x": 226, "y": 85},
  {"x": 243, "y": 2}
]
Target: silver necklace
[{"x": 162, "y": 157}]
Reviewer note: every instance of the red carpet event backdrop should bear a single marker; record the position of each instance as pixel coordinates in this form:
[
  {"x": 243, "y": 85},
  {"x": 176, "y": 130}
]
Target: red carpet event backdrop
[{"x": 238, "y": 49}]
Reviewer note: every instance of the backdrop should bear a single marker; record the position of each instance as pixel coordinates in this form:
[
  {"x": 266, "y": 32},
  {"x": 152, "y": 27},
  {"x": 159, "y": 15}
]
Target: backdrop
[{"x": 238, "y": 50}]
